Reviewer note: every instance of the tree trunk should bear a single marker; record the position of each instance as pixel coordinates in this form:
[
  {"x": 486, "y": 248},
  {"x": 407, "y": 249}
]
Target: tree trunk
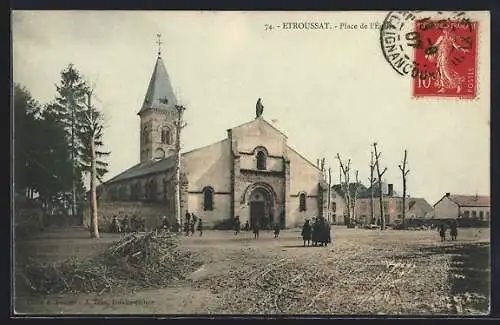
[
  {"x": 404, "y": 203},
  {"x": 381, "y": 195},
  {"x": 329, "y": 194},
  {"x": 93, "y": 195},
  {"x": 404, "y": 172}
]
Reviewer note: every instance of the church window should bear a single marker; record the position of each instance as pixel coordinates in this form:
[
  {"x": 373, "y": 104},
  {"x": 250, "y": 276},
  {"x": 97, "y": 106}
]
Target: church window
[
  {"x": 166, "y": 136},
  {"x": 145, "y": 135},
  {"x": 261, "y": 160},
  {"x": 302, "y": 202},
  {"x": 208, "y": 199}
]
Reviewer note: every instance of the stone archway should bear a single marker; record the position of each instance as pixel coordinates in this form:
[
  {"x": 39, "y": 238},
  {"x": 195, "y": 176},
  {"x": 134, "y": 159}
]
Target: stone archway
[{"x": 261, "y": 200}]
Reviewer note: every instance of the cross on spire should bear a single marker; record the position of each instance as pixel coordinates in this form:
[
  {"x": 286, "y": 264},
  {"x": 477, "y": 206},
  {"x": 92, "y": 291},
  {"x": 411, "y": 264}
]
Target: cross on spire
[{"x": 159, "y": 42}]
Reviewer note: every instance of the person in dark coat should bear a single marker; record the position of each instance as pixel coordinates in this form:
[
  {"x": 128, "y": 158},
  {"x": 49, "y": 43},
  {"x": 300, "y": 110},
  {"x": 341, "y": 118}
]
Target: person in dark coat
[
  {"x": 306, "y": 233},
  {"x": 237, "y": 225},
  {"x": 125, "y": 225},
  {"x": 315, "y": 233},
  {"x": 276, "y": 230},
  {"x": 164, "y": 223},
  {"x": 454, "y": 230},
  {"x": 256, "y": 229},
  {"x": 192, "y": 226},
  {"x": 247, "y": 226},
  {"x": 442, "y": 232},
  {"x": 200, "y": 226},
  {"x": 115, "y": 225},
  {"x": 326, "y": 235}
]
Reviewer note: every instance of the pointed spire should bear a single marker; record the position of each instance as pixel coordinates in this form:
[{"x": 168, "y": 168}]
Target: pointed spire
[{"x": 160, "y": 94}]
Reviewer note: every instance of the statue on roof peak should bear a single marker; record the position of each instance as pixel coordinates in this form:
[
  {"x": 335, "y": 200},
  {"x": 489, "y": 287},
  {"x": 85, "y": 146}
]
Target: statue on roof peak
[{"x": 259, "y": 108}]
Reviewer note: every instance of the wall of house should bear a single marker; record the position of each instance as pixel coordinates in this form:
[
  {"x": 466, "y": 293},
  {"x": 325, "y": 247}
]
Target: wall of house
[
  {"x": 486, "y": 212},
  {"x": 446, "y": 209}
]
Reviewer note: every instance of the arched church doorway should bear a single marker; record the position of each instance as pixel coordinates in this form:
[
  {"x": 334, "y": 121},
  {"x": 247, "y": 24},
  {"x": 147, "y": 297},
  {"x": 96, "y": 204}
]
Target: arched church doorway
[{"x": 261, "y": 208}]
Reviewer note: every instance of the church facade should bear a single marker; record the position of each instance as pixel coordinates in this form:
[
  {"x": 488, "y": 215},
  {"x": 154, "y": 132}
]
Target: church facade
[{"x": 252, "y": 173}]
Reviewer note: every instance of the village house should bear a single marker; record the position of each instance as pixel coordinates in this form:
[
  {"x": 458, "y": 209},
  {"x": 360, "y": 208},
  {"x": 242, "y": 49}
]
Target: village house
[
  {"x": 252, "y": 173},
  {"x": 454, "y": 206},
  {"x": 416, "y": 208}
]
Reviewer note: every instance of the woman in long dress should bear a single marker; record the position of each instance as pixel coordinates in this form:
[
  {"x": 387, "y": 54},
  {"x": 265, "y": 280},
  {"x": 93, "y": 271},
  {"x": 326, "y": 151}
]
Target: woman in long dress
[{"x": 447, "y": 77}]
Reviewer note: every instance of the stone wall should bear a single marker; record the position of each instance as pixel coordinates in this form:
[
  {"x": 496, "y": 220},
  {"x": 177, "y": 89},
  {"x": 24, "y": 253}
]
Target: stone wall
[{"x": 151, "y": 211}]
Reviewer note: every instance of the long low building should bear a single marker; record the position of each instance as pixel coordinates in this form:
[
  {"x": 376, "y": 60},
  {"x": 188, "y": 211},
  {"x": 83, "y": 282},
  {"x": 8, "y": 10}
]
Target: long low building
[{"x": 455, "y": 206}]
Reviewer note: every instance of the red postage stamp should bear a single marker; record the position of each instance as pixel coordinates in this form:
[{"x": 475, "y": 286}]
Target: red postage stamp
[{"x": 447, "y": 59}]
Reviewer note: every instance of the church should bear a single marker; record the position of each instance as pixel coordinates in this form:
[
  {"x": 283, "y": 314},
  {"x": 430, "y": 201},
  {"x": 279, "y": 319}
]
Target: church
[{"x": 252, "y": 173}]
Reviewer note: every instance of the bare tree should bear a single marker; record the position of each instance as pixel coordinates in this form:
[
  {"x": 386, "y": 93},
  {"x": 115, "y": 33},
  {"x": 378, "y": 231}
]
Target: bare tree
[
  {"x": 372, "y": 181},
  {"x": 329, "y": 203},
  {"x": 354, "y": 198},
  {"x": 381, "y": 195},
  {"x": 179, "y": 125},
  {"x": 404, "y": 173},
  {"x": 345, "y": 168}
]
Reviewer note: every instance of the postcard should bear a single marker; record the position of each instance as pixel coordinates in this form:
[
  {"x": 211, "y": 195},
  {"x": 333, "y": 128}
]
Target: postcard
[{"x": 194, "y": 163}]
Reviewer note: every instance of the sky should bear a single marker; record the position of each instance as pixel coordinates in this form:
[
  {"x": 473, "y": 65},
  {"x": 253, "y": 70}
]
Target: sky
[{"x": 329, "y": 91}]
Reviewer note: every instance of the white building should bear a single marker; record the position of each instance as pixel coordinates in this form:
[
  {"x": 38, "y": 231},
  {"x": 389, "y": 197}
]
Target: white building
[{"x": 452, "y": 206}]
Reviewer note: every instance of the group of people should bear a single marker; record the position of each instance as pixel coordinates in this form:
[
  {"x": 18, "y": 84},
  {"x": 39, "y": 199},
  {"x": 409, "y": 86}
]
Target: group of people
[
  {"x": 190, "y": 224},
  {"x": 124, "y": 225},
  {"x": 453, "y": 231},
  {"x": 255, "y": 227},
  {"x": 319, "y": 232}
]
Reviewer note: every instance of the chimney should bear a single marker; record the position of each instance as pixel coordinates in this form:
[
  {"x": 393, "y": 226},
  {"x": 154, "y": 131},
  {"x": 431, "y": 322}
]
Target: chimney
[
  {"x": 448, "y": 194},
  {"x": 390, "y": 190}
]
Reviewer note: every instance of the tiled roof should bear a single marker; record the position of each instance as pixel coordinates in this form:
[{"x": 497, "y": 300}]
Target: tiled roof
[
  {"x": 145, "y": 168},
  {"x": 471, "y": 200},
  {"x": 419, "y": 204},
  {"x": 159, "y": 94},
  {"x": 352, "y": 186}
]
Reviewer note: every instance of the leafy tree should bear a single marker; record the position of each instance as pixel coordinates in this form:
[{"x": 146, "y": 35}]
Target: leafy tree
[
  {"x": 41, "y": 152},
  {"x": 70, "y": 107}
]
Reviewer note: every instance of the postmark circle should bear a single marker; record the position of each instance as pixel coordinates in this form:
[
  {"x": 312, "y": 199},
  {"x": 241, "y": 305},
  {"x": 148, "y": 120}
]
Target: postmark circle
[{"x": 401, "y": 37}]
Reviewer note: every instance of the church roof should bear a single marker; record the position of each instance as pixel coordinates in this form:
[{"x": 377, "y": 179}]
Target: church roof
[
  {"x": 159, "y": 94},
  {"x": 145, "y": 168}
]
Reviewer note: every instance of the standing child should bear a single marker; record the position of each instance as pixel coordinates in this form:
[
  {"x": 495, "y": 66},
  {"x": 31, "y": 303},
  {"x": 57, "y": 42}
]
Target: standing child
[
  {"x": 255, "y": 228},
  {"x": 200, "y": 226},
  {"x": 454, "y": 230},
  {"x": 191, "y": 227},
  {"x": 442, "y": 232},
  {"x": 237, "y": 225},
  {"x": 276, "y": 230}
]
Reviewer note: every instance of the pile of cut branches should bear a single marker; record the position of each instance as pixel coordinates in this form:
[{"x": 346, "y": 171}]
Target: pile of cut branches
[{"x": 137, "y": 260}]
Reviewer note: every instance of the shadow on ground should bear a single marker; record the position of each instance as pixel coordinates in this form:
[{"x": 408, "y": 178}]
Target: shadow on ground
[{"x": 469, "y": 275}]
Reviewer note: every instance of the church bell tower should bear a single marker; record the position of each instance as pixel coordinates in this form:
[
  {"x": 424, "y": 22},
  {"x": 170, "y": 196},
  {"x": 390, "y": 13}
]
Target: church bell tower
[{"x": 158, "y": 115}]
